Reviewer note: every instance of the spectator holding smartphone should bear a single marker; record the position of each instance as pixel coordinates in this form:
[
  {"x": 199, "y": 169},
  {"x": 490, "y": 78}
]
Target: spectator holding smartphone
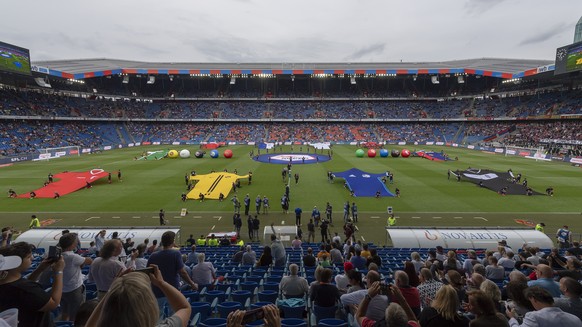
[
  {"x": 271, "y": 317},
  {"x": 140, "y": 304}
]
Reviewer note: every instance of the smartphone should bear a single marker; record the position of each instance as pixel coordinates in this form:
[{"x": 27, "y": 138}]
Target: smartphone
[
  {"x": 148, "y": 270},
  {"x": 54, "y": 252},
  {"x": 253, "y": 315}
]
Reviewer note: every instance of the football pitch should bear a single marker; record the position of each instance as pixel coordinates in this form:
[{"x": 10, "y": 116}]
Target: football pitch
[{"x": 427, "y": 198}]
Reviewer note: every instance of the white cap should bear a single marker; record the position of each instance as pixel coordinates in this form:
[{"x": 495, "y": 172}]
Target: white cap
[{"x": 9, "y": 262}]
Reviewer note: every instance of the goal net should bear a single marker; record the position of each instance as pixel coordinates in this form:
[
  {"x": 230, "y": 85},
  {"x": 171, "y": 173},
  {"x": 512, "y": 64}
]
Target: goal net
[{"x": 51, "y": 153}]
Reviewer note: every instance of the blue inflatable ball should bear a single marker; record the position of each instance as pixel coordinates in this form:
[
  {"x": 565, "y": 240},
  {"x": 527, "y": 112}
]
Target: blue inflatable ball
[
  {"x": 395, "y": 153},
  {"x": 214, "y": 154},
  {"x": 383, "y": 153}
]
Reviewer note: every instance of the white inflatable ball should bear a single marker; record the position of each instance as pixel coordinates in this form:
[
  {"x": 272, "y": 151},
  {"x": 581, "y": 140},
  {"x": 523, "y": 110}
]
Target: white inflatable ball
[{"x": 184, "y": 154}]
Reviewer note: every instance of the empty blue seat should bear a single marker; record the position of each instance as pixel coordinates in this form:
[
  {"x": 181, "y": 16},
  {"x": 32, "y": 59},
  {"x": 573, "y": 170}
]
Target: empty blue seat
[
  {"x": 254, "y": 279},
  {"x": 214, "y": 322},
  {"x": 293, "y": 322},
  {"x": 271, "y": 286},
  {"x": 332, "y": 323},
  {"x": 241, "y": 296},
  {"x": 201, "y": 307},
  {"x": 324, "y": 312},
  {"x": 293, "y": 312},
  {"x": 211, "y": 295},
  {"x": 259, "y": 304},
  {"x": 192, "y": 296},
  {"x": 224, "y": 287},
  {"x": 249, "y": 286},
  {"x": 268, "y": 296},
  {"x": 274, "y": 278},
  {"x": 225, "y": 308}
]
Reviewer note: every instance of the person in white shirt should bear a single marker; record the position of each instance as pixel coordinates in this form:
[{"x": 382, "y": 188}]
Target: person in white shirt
[
  {"x": 507, "y": 261},
  {"x": 203, "y": 273},
  {"x": 294, "y": 286},
  {"x": 546, "y": 315},
  {"x": 136, "y": 260},
  {"x": 341, "y": 280},
  {"x": 100, "y": 240},
  {"x": 73, "y": 288}
]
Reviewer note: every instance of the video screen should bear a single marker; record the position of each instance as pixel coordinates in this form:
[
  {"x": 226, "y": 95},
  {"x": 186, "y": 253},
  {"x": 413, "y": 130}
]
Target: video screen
[
  {"x": 14, "y": 59},
  {"x": 569, "y": 58}
]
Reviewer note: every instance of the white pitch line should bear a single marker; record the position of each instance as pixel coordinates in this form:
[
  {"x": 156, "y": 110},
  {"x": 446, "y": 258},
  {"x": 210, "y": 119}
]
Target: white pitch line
[
  {"x": 437, "y": 217},
  {"x": 115, "y": 217},
  {"x": 196, "y": 216},
  {"x": 177, "y": 216},
  {"x": 155, "y": 217},
  {"x": 216, "y": 216},
  {"x": 92, "y": 218},
  {"x": 481, "y": 218},
  {"x": 458, "y": 217},
  {"x": 374, "y": 217},
  {"x": 213, "y": 227},
  {"x": 363, "y": 238},
  {"x": 414, "y": 217},
  {"x": 219, "y": 218},
  {"x": 136, "y": 217}
]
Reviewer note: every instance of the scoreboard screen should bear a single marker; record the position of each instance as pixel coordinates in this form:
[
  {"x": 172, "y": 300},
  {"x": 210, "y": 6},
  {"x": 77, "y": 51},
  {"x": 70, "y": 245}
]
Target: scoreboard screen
[
  {"x": 14, "y": 59},
  {"x": 569, "y": 58}
]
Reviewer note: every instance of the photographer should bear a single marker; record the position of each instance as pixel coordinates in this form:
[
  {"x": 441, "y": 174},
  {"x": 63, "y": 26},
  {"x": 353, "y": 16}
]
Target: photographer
[
  {"x": 240, "y": 318},
  {"x": 395, "y": 314},
  {"x": 33, "y": 303}
]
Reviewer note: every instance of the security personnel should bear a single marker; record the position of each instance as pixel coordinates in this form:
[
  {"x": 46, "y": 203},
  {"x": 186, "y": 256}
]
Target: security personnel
[
  {"x": 240, "y": 242},
  {"x": 391, "y": 221},
  {"x": 540, "y": 227},
  {"x": 201, "y": 241},
  {"x": 213, "y": 241},
  {"x": 34, "y": 223}
]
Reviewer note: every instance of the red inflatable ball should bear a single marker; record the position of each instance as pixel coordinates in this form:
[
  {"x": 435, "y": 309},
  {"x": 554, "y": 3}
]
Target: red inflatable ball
[
  {"x": 405, "y": 153},
  {"x": 371, "y": 153},
  {"x": 228, "y": 154}
]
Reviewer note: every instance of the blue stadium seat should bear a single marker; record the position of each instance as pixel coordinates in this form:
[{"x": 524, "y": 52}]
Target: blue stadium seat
[
  {"x": 332, "y": 323},
  {"x": 225, "y": 308},
  {"x": 214, "y": 322},
  {"x": 293, "y": 322}
]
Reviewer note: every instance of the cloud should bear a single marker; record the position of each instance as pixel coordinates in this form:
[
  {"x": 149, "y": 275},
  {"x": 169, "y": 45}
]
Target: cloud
[
  {"x": 480, "y": 6},
  {"x": 376, "y": 48},
  {"x": 548, "y": 34}
]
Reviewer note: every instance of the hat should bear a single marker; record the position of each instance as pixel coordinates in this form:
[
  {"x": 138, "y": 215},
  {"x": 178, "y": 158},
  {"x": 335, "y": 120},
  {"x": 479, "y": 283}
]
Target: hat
[
  {"x": 348, "y": 266},
  {"x": 503, "y": 242},
  {"x": 9, "y": 262}
]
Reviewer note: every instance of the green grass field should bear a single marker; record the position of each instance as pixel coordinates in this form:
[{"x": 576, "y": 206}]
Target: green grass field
[{"x": 428, "y": 198}]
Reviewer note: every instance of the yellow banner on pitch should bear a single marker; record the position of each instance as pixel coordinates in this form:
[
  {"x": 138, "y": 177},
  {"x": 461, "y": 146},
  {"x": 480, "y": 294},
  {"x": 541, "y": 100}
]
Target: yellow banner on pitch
[{"x": 211, "y": 185}]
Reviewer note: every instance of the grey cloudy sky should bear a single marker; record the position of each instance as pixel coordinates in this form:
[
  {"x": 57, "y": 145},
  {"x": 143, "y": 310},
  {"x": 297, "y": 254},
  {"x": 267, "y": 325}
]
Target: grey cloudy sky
[{"x": 290, "y": 31}]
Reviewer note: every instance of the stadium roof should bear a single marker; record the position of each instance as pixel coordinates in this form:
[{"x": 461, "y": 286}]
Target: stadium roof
[{"x": 496, "y": 67}]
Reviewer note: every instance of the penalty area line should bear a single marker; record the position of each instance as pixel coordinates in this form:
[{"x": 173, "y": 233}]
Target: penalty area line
[{"x": 92, "y": 218}]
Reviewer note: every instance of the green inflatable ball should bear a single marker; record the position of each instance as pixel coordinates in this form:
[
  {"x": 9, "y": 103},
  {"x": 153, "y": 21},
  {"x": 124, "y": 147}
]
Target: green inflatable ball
[{"x": 359, "y": 153}]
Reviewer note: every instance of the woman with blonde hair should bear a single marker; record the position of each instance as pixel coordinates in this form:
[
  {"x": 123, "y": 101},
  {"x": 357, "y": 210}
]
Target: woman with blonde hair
[
  {"x": 443, "y": 310},
  {"x": 492, "y": 290},
  {"x": 131, "y": 302},
  {"x": 417, "y": 261}
]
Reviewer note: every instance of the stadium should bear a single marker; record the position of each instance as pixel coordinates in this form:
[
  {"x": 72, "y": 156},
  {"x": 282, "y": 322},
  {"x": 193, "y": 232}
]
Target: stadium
[{"x": 462, "y": 147}]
